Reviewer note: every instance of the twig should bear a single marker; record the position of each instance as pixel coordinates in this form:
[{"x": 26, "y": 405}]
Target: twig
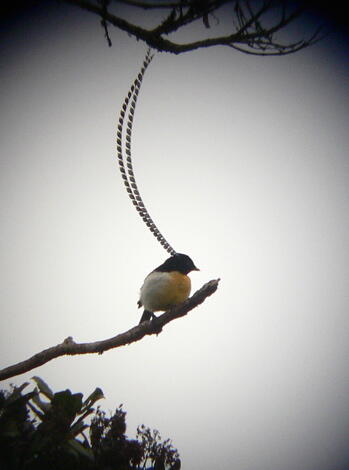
[
  {"x": 249, "y": 33},
  {"x": 69, "y": 347}
]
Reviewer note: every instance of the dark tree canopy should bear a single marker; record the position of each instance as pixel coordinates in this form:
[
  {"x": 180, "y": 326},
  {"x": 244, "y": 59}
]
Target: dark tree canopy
[
  {"x": 45, "y": 430},
  {"x": 259, "y": 27}
]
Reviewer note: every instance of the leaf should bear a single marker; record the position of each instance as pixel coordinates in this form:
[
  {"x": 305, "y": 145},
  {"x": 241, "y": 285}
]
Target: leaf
[
  {"x": 80, "y": 420},
  {"x": 67, "y": 403},
  {"x": 38, "y": 413},
  {"x": 80, "y": 449},
  {"x": 16, "y": 393},
  {"x": 96, "y": 395},
  {"x": 78, "y": 428},
  {"x": 43, "y": 387},
  {"x": 44, "y": 406}
]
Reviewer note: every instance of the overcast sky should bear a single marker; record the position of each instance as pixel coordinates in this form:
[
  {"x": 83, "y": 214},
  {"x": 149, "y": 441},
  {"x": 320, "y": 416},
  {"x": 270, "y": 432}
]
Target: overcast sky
[{"x": 243, "y": 163}]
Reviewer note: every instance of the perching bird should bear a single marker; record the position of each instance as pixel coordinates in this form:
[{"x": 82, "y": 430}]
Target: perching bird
[{"x": 166, "y": 286}]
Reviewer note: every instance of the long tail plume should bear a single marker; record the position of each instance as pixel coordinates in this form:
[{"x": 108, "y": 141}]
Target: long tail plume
[{"x": 125, "y": 164}]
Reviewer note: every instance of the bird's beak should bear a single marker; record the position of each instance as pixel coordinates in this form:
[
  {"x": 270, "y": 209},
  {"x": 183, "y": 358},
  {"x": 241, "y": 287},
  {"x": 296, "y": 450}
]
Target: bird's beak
[{"x": 196, "y": 269}]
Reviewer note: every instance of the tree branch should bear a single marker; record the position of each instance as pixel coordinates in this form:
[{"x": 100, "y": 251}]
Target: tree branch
[
  {"x": 247, "y": 30},
  {"x": 70, "y": 348},
  {"x": 184, "y": 19},
  {"x": 156, "y": 5}
]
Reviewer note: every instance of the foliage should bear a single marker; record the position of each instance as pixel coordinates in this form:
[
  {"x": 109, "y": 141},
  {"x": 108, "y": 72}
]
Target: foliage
[{"x": 46, "y": 430}]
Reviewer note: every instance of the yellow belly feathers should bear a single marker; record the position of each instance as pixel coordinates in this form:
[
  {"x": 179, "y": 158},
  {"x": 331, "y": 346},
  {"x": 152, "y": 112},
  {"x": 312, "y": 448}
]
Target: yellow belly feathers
[{"x": 162, "y": 290}]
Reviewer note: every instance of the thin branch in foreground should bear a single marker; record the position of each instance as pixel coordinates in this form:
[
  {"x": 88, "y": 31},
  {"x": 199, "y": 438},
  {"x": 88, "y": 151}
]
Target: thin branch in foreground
[
  {"x": 70, "y": 348},
  {"x": 104, "y": 22},
  {"x": 250, "y": 32}
]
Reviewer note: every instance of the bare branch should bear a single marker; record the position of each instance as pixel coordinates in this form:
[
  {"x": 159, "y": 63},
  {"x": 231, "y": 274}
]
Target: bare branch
[
  {"x": 261, "y": 48},
  {"x": 156, "y": 5},
  {"x": 191, "y": 15},
  {"x": 253, "y": 29},
  {"x": 104, "y": 22},
  {"x": 120, "y": 23},
  {"x": 70, "y": 348}
]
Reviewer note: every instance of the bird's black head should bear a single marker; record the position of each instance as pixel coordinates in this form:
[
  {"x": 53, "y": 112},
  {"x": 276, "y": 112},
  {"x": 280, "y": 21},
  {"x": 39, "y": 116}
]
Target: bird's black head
[{"x": 178, "y": 262}]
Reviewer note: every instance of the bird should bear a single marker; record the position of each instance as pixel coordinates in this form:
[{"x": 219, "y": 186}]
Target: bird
[{"x": 166, "y": 286}]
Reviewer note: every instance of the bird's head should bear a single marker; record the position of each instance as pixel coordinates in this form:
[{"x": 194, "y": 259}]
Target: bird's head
[{"x": 179, "y": 262}]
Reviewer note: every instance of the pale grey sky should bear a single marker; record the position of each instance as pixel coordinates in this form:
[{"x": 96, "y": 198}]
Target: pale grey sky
[{"x": 242, "y": 162}]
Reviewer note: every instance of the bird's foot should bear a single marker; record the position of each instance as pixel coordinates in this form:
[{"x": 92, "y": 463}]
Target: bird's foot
[{"x": 156, "y": 325}]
